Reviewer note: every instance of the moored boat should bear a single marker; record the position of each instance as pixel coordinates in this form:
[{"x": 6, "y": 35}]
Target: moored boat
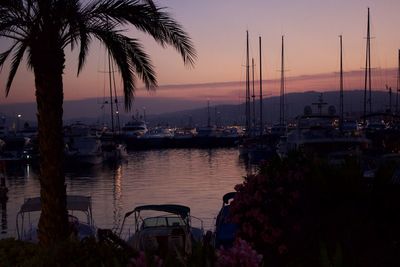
[
  {"x": 225, "y": 229},
  {"x": 79, "y": 216},
  {"x": 81, "y": 146},
  {"x": 167, "y": 229}
]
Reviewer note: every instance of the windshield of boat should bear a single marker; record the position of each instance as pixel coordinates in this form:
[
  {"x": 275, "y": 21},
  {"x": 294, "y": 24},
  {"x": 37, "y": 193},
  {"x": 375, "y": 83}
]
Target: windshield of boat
[{"x": 162, "y": 221}]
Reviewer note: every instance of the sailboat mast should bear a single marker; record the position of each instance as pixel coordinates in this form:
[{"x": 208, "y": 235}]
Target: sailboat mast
[
  {"x": 369, "y": 65},
  {"x": 282, "y": 99},
  {"x": 341, "y": 84},
  {"x": 367, "y": 80},
  {"x": 261, "y": 104},
  {"x": 398, "y": 84},
  {"x": 253, "y": 95},
  {"x": 208, "y": 114},
  {"x": 111, "y": 93},
  {"x": 116, "y": 99},
  {"x": 247, "y": 84}
]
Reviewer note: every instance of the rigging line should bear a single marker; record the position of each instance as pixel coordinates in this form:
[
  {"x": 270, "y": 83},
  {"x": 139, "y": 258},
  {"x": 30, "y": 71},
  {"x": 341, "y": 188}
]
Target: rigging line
[
  {"x": 261, "y": 90},
  {"x": 116, "y": 98},
  {"x": 253, "y": 95}
]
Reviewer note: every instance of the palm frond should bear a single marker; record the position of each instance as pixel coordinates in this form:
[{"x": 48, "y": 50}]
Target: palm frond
[
  {"x": 142, "y": 63},
  {"x": 173, "y": 34},
  {"x": 145, "y": 16},
  {"x": 150, "y": 3},
  {"x": 4, "y": 55},
  {"x": 14, "y": 65},
  {"x": 13, "y": 25},
  {"x": 117, "y": 49},
  {"x": 84, "y": 41}
]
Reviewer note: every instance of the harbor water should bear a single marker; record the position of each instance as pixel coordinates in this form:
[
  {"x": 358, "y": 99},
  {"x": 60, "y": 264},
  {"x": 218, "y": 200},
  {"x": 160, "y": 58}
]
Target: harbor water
[{"x": 197, "y": 178}]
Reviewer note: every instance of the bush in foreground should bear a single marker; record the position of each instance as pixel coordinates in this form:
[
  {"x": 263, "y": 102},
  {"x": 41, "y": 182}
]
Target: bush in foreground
[
  {"x": 88, "y": 252},
  {"x": 306, "y": 212}
]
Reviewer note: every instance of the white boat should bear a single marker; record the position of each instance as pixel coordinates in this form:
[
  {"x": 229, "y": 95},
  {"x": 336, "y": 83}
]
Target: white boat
[
  {"x": 167, "y": 229},
  {"x": 317, "y": 134},
  {"x": 134, "y": 128},
  {"x": 158, "y": 133},
  {"x": 79, "y": 216},
  {"x": 81, "y": 146},
  {"x": 184, "y": 133},
  {"x": 112, "y": 148},
  {"x": 207, "y": 131},
  {"x": 232, "y": 132},
  {"x": 13, "y": 148}
]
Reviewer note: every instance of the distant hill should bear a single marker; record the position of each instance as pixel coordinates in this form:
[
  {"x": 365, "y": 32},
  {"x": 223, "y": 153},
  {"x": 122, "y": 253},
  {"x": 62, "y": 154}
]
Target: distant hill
[
  {"x": 295, "y": 103},
  {"x": 177, "y": 112},
  {"x": 93, "y": 109}
]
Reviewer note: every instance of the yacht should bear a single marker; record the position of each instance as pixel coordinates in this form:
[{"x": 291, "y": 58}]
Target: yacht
[
  {"x": 81, "y": 146},
  {"x": 134, "y": 128},
  {"x": 317, "y": 134}
]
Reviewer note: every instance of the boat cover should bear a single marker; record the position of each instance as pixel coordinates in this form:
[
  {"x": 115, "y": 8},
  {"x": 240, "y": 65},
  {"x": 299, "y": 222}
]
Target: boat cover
[
  {"x": 181, "y": 210},
  {"x": 81, "y": 203}
]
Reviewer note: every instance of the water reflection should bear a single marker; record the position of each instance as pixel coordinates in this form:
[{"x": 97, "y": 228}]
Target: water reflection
[
  {"x": 192, "y": 177},
  {"x": 3, "y": 201},
  {"x": 117, "y": 197}
]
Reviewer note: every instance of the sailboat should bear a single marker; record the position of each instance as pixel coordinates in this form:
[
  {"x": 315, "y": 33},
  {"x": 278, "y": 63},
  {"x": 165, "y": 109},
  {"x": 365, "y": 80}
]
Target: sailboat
[
  {"x": 247, "y": 142},
  {"x": 112, "y": 146},
  {"x": 279, "y": 129},
  {"x": 255, "y": 145},
  {"x": 316, "y": 134},
  {"x": 368, "y": 79}
]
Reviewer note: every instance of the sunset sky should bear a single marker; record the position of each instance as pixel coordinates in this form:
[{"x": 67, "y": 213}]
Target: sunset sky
[{"x": 218, "y": 29}]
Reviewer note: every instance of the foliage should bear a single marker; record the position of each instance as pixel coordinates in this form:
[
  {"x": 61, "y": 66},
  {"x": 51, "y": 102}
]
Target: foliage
[
  {"x": 88, "y": 252},
  {"x": 141, "y": 260},
  {"x": 305, "y": 212},
  {"x": 240, "y": 255}
]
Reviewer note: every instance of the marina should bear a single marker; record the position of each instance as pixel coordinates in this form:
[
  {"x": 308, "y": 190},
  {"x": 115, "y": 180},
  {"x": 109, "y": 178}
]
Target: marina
[
  {"x": 128, "y": 165},
  {"x": 193, "y": 177}
]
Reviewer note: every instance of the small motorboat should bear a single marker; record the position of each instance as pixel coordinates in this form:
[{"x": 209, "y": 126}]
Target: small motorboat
[
  {"x": 225, "y": 229},
  {"x": 79, "y": 216},
  {"x": 165, "y": 229}
]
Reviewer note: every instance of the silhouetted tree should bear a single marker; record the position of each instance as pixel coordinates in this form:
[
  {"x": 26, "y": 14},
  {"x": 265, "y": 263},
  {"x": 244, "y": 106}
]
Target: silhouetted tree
[{"x": 41, "y": 30}]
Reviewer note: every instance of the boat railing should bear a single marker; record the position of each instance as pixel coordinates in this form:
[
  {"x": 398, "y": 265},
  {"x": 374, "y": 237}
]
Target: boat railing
[{"x": 198, "y": 220}]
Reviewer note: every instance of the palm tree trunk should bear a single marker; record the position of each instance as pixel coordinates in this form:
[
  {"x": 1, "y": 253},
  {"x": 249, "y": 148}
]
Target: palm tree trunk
[{"x": 48, "y": 64}]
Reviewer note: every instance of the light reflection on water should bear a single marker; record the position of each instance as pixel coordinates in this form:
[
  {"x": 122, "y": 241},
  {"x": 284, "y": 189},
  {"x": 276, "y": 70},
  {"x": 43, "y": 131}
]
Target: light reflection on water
[{"x": 191, "y": 177}]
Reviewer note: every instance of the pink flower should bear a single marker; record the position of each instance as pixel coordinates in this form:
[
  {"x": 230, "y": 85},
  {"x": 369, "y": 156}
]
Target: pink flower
[
  {"x": 295, "y": 194},
  {"x": 282, "y": 249},
  {"x": 296, "y": 227},
  {"x": 141, "y": 261},
  {"x": 240, "y": 255},
  {"x": 276, "y": 232}
]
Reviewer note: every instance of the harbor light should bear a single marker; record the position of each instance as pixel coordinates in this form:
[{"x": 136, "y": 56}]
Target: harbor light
[{"x": 19, "y": 117}]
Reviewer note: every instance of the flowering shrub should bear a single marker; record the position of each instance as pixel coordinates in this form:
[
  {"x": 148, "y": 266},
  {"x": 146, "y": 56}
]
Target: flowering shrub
[
  {"x": 142, "y": 261},
  {"x": 266, "y": 208},
  {"x": 307, "y": 212},
  {"x": 240, "y": 255}
]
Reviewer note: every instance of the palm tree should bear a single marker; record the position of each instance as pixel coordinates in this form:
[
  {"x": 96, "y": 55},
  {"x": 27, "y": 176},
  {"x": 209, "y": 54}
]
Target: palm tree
[{"x": 41, "y": 30}]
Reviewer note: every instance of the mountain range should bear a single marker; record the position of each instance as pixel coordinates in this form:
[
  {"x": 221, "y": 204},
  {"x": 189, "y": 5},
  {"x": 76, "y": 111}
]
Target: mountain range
[
  {"x": 176, "y": 112},
  {"x": 294, "y": 106}
]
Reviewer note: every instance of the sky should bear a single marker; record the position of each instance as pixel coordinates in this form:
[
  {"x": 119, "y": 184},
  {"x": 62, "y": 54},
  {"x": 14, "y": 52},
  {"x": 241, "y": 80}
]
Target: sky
[{"x": 218, "y": 30}]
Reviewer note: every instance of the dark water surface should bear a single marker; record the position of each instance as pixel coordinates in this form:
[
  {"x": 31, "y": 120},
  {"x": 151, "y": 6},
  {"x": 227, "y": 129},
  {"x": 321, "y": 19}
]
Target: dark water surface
[{"x": 192, "y": 177}]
